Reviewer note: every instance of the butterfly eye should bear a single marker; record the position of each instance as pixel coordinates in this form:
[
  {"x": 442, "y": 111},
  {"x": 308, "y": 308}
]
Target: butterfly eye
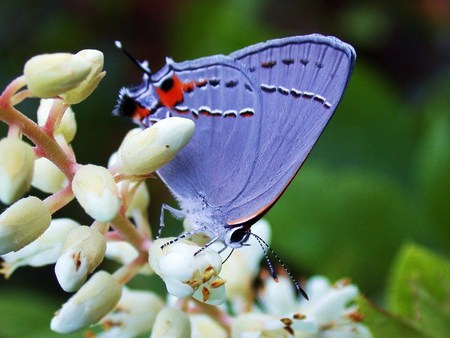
[{"x": 236, "y": 237}]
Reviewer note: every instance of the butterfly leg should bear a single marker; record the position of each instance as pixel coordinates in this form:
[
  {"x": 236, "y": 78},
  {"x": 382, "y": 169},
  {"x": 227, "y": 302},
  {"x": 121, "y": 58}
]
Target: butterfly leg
[{"x": 178, "y": 214}]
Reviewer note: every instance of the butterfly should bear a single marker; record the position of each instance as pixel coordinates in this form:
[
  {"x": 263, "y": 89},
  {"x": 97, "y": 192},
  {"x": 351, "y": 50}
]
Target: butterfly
[{"x": 258, "y": 112}]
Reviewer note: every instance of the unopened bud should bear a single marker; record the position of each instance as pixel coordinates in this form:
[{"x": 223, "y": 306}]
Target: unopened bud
[
  {"x": 139, "y": 198},
  {"x": 153, "y": 147},
  {"x": 203, "y": 326},
  {"x": 49, "y": 75},
  {"x": 22, "y": 223},
  {"x": 124, "y": 253},
  {"x": 133, "y": 316},
  {"x": 84, "y": 249},
  {"x": 171, "y": 323},
  {"x": 68, "y": 125},
  {"x": 93, "y": 301},
  {"x": 82, "y": 91},
  {"x": 96, "y": 191},
  {"x": 47, "y": 177},
  {"x": 16, "y": 168},
  {"x": 43, "y": 251}
]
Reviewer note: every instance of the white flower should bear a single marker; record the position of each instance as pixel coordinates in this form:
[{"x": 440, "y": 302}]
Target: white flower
[
  {"x": 43, "y": 251},
  {"x": 151, "y": 148},
  {"x": 49, "y": 75},
  {"x": 47, "y": 177},
  {"x": 16, "y": 168},
  {"x": 68, "y": 125},
  {"x": 22, "y": 223},
  {"x": 84, "y": 249},
  {"x": 98, "y": 296},
  {"x": 203, "y": 326},
  {"x": 257, "y": 325},
  {"x": 134, "y": 314},
  {"x": 171, "y": 323},
  {"x": 187, "y": 273},
  {"x": 329, "y": 312},
  {"x": 82, "y": 91},
  {"x": 96, "y": 191}
]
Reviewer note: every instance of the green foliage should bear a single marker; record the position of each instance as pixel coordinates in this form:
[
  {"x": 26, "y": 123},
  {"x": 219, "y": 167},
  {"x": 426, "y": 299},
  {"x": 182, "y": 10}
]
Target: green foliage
[
  {"x": 27, "y": 314},
  {"x": 418, "y": 297}
]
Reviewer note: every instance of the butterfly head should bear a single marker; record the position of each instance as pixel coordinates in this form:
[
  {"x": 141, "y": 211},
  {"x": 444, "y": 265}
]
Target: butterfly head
[
  {"x": 137, "y": 103},
  {"x": 236, "y": 237}
]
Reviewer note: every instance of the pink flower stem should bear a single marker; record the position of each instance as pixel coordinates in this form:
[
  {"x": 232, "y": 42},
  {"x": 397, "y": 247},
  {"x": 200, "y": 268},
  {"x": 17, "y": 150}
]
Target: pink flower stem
[
  {"x": 46, "y": 145},
  {"x": 59, "y": 199},
  {"x": 129, "y": 232},
  {"x": 127, "y": 272}
]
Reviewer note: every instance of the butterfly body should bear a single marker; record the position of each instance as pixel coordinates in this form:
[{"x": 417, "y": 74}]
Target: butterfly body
[{"x": 258, "y": 113}]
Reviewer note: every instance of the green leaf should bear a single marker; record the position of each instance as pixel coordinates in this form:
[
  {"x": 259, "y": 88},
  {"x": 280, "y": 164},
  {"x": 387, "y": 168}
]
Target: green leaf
[
  {"x": 383, "y": 324},
  {"x": 419, "y": 290},
  {"x": 27, "y": 314},
  {"x": 433, "y": 171}
]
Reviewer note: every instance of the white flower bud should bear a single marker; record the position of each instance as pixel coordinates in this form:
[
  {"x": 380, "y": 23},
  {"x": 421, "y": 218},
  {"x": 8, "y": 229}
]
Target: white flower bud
[
  {"x": 186, "y": 273},
  {"x": 47, "y": 177},
  {"x": 258, "y": 325},
  {"x": 92, "y": 302},
  {"x": 96, "y": 191},
  {"x": 43, "y": 251},
  {"x": 49, "y": 75},
  {"x": 134, "y": 315},
  {"x": 84, "y": 249},
  {"x": 171, "y": 323},
  {"x": 113, "y": 159},
  {"x": 140, "y": 198},
  {"x": 81, "y": 92},
  {"x": 203, "y": 326},
  {"x": 22, "y": 223},
  {"x": 155, "y": 146},
  {"x": 16, "y": 168},
  {"x": 124, "y": 253},
  {"x": 68, "y": 125}
]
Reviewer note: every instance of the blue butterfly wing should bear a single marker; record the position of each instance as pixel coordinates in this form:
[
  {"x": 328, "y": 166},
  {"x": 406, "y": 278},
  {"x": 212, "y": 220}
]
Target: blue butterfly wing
[
  {"x": 282, "y": 94},
  {"x": 224, "y": 103},
  {"x": 301, "y": 81}
]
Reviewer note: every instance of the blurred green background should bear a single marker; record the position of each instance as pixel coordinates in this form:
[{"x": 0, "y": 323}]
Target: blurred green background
[{"x": 378, "y": 177}]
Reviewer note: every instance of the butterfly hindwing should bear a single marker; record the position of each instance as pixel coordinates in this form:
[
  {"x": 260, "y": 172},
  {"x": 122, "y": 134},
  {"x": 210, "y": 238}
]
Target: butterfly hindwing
[{"x": 225, "y": 105}]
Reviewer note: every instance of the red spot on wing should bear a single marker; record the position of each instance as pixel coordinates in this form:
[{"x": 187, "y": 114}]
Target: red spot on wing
[
  {"x": 246, "y": 114},
  {"x": 170, "y": 97},
  {"x": 188, "y": 87}
]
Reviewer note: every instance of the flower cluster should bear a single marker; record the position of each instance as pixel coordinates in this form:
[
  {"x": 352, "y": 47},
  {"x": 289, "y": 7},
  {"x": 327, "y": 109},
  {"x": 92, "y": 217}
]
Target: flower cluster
[{"x": 39, "y": 154}]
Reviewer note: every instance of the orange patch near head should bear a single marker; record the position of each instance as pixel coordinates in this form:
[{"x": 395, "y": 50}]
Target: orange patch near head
[{"x": 140, "y": 113}]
